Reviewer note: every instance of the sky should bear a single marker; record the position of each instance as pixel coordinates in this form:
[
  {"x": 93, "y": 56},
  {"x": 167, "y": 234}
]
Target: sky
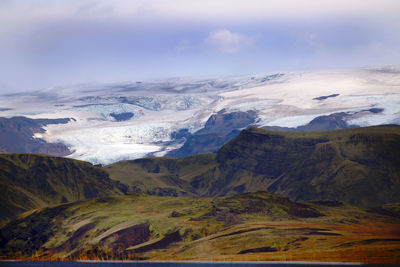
[{"x": 50, "y": 43}]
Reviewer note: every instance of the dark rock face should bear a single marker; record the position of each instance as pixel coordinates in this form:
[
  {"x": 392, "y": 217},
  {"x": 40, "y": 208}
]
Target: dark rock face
[
  {"x": 223, "y": 123},
  {"x": 16, "y": 136},
  {"x": 73, "y": 242},
  {"x": 163, "y": 243},
  {"x": 334, "y": 121},
  {"x": 219, "y": 129},
  {"x": 258, "y": 250},
  {"x": 122, "y": 116},
  {"x": 182, "y": 133},
  {"x": 326, "y": 123},
  {"x": 325, "y": 97},
  {"x": 303, "y": 211},
  {"x": 131, "y": 236},
  {"x": 375, "y": 110}
]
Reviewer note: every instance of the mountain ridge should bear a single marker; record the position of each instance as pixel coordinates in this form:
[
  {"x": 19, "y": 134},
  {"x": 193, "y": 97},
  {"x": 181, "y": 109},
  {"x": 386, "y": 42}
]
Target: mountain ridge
[{"x": 358, "y": 165}]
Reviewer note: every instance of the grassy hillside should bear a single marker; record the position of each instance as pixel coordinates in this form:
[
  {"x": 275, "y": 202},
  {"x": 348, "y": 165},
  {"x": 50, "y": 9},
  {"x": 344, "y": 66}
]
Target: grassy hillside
[
  {"x": 29, "y": 181},
  {"x": 359, "y": 166},
  {"x": 252, "y": 226},
  {"x": 162, "y": 176}
]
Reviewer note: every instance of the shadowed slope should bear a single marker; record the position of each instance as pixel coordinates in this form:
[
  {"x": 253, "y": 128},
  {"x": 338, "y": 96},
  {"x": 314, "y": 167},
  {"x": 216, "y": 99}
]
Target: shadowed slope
[
  {"x": 219, "y": 129},
  {"x": 29, "y": 181},
  {"x": 16, "y": 136},
  {"x": 360, "y": 166}
]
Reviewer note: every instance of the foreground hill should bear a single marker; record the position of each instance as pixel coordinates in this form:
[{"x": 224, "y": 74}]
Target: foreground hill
[
  {"x": 359, "y": 166},
  {"x": 251, "y": 226},
  {"x": 29, "y": 181}
]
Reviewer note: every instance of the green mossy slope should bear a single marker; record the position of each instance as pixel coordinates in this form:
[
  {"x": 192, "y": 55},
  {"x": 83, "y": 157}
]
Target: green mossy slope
[
  {"x": 162, "y": 176},
  {"x": 107, "y": 223},
  {"x": 29, "y": 181},
  {"x": 144, "y": 227},
  {"x": 360, "y": 166}
]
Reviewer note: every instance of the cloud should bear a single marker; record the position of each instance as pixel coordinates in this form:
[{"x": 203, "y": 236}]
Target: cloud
[
  {"x": 45, "y": 43},
  {"x": 265, "y": 10},
  {"x": 195, "y": 11},
  {"x": 228, "y": 42}
]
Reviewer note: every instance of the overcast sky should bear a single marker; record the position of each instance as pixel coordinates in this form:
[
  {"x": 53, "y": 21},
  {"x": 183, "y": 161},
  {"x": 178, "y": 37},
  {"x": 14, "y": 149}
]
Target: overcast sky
[{"x": 46, "y": 43}]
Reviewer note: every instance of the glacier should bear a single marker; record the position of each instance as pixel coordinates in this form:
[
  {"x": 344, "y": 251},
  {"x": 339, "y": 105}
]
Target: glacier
[{"x": 161, "y": 107}]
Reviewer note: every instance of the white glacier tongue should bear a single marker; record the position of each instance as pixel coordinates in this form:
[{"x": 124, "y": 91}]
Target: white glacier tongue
[{"x": 137, "y": 119}]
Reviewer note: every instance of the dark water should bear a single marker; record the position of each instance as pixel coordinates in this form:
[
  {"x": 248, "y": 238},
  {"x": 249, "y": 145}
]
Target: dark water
[{"x": 170, "y": 264}]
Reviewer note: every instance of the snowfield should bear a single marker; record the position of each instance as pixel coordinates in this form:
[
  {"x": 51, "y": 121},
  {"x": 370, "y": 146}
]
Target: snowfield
[{"x": 155, "y": 110}]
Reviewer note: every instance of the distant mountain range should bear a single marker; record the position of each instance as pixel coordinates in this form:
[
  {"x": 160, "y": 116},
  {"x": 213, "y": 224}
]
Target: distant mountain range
[{"x": 181, "y": 117}]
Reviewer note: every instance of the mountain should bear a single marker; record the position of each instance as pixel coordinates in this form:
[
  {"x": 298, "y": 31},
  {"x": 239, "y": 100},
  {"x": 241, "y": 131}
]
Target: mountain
[
  {"x": 30, "y": 181},
  {"x": 17, "y": 136},
  {"x": 359, "y": 166},
  {"x": 219, "y": 129},
  {"x": 251, "y": 226},
  {"x": 20, "y": 134},
  {"x": 185, "y": 116},
  {"x": 224, "y": 126}
]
